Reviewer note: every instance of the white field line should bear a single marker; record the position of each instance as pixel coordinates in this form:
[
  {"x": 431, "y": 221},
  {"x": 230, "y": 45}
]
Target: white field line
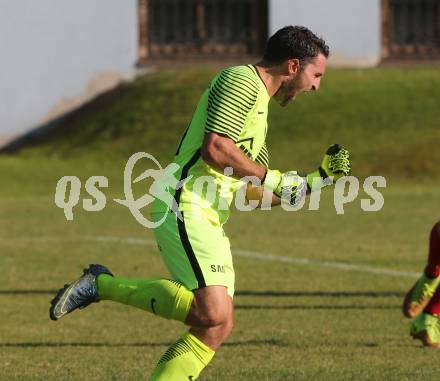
[
  {"x": 330, "y": 264},
  {"x": 258, "y": 256}
]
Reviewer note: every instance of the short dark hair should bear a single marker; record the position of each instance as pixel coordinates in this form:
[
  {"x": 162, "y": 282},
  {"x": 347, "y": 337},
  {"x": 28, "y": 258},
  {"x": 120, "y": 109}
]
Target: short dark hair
[{"x": 295, "y": 42}]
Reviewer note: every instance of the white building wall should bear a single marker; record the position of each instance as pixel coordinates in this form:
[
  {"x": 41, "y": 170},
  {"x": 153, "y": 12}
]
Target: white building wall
[
  {"x": 56, "y": 52},
  {"x": 350, "y": 27}
]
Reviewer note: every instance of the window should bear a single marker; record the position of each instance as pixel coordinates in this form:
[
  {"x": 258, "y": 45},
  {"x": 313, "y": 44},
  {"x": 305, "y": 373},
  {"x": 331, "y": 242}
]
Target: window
[
  {"x": 411, "y": 28},
  {"x": 194, "y": 28}
]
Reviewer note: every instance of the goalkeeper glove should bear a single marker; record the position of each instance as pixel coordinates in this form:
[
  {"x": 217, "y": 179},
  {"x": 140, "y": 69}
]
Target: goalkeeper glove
[
  {"x": 292, "y": 187},
  {"x": 336, "y": 163},
  {"x": 288, "y": 186}
]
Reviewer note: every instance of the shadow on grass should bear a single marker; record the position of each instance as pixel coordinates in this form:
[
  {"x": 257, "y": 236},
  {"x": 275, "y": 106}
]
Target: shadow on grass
[
  {"x": 316, "y": 307},
  {"x": 270, "y": 342},
  {"x": 272, "y": 294},
  {"x": 28, "y": 292},
  {"x": 325, "y": 294}
]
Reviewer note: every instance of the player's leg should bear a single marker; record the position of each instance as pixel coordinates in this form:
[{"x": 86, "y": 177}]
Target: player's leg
[
  {"x": 426, "y": 326},
  {"x": 163, "y": 297},
  {"x": 201, "y": 261},
  {"x": 211, "y": 318},
  {"x": 420, "y": 294},
  {"x": 205, "y": 264}
]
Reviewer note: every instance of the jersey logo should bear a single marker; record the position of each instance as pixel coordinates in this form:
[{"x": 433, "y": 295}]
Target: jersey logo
[
  {"x": 218, "y": 269},
  {"x": 246, "y": 146},
  {"x": 250, "y": 140},
  {"x": 152, "y": 305}
]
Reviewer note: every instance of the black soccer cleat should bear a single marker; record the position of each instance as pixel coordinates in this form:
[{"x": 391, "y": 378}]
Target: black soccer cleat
[{"x": 79, "y": 294}]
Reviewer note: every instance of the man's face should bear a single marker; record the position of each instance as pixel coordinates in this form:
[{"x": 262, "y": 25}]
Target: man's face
[{"x": 307, "y": 78}]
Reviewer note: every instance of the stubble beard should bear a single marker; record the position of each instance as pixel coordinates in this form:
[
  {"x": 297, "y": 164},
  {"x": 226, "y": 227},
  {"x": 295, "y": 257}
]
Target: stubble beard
[{"x": 288, "y": 91}]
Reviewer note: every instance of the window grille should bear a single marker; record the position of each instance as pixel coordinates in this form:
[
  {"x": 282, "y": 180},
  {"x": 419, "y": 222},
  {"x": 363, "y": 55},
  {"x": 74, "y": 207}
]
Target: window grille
[
  {"x": 411, "y": 28},
  {"x": 170, "y": 28}
]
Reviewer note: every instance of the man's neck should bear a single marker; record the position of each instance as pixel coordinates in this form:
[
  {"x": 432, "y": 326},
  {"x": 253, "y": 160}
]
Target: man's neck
[{"x": 270, "y": 77}]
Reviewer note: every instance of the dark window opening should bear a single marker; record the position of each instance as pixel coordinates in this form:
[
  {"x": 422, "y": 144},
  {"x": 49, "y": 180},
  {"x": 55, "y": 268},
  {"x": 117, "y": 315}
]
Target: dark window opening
[
  {"x": 198, "y": 28},
  {"x": 411, "y": 29}
]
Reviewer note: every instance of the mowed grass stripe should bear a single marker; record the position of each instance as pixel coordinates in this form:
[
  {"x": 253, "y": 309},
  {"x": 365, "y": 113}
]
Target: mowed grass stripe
[{"x": 250, "y": 254}]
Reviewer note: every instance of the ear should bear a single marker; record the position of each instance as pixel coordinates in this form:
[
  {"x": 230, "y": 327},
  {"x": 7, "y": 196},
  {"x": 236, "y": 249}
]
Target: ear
[{"x": 293, "y": 66}]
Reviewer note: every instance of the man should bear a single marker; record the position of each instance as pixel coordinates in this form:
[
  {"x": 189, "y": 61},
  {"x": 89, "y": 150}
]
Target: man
[
  {"x": 422, "y": 301},
  {"x": 226, "y": 135}
]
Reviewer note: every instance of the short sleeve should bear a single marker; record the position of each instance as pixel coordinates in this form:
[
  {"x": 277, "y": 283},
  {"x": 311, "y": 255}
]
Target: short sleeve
[
  {"x": 231, "y": 97},
  {"x": 263, "y": 156}
]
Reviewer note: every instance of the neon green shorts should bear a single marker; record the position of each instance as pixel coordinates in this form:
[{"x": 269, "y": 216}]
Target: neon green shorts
[{"x": 196, "y": 251}]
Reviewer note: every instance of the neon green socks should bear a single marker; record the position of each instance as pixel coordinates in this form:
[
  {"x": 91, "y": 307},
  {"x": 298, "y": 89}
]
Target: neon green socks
[
  {"x": 163, "y": 297},
  {"x": 184, "y": 360}
]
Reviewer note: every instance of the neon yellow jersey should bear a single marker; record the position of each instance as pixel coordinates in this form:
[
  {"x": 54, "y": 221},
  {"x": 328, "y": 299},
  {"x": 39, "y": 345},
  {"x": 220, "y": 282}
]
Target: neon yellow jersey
[{"x": 234, "y": 105}]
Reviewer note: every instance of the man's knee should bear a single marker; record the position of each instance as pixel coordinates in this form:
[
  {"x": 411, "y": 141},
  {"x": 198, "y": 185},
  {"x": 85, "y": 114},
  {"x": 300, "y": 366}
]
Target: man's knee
[
  {"x": 211, "y": 308},
  {"x": 213, "y": 316}
]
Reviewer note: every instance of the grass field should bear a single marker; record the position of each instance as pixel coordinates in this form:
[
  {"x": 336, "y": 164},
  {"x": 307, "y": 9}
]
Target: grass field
[{"x": 295, "y": 320}]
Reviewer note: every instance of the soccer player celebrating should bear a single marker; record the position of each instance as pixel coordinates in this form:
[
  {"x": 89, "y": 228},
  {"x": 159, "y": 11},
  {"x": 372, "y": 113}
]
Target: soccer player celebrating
[
  {"x": 422, "y": 301},
  {"x": 225, "y": 141}
]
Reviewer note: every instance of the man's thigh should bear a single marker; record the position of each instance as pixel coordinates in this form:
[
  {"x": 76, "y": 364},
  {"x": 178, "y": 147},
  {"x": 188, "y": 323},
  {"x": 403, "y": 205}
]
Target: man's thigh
[{"x": 196, "y": 251}]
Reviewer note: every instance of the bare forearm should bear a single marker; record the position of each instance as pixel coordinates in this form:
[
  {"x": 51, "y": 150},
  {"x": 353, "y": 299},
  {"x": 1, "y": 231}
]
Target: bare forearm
[
  {"x": 256, "y": 193},
  {"x": 220, "y": 153}
]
